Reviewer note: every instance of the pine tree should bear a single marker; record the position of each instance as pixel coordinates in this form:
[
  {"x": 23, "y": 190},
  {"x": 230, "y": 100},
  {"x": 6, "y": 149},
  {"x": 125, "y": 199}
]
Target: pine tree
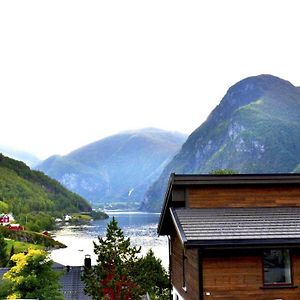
[
  {"x": 153, "y": 277},
  {"x": 114, "y": 276},
  {"x": 12, "y": 251},
  {"x": 3, "y": 254}
]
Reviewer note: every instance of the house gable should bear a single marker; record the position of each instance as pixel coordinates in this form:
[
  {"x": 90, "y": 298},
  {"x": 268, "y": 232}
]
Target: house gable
[
  {"x": 222, "y": 229},
  {"x": 216, "y": 191}
]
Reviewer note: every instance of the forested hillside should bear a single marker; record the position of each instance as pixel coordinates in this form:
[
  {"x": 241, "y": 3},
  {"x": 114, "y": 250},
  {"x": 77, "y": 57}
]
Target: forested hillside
[{"x": 32, "y": 196}]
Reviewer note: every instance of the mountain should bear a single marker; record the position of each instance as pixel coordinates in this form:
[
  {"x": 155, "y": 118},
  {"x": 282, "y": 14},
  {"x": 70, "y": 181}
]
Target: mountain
[
  {"x": 119, "y": 168},
  {"x": 28, "y": 158},
  {"x": 254, "y": 129},
  {"x": 33, "y": 195}
]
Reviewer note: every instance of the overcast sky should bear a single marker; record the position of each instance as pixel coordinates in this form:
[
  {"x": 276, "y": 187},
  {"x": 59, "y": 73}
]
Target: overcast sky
[{"x": 72, "y": 72}]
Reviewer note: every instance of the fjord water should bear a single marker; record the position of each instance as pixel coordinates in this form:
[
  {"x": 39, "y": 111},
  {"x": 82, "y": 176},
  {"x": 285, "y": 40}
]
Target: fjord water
[{"x": 140, "y": 227}]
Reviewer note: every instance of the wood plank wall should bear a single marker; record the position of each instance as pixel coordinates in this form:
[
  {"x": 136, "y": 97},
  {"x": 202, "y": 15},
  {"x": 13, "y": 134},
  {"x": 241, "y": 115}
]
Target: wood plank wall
[
  {"x": 191, "y": 269},
  {"x": 240, "y": 278},
  {"x": 211, "y": 197}
]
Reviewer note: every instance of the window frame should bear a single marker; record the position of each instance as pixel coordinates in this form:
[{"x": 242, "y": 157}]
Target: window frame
[
  {"x": 278, "y": 284},
  {"x": 184, "y": 260}
]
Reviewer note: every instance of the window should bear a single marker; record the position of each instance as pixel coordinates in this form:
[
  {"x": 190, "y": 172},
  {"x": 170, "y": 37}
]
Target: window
[
  {"x": 277, "y": 267},
  {"x": 184, "y": 258}
]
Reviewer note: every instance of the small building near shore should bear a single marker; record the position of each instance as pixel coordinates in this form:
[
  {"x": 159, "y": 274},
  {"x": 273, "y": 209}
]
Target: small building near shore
[
  {"x": 6, "y": 219},
  {"x": 15, "y": 227},
  {"x": 233, "y": 236}
]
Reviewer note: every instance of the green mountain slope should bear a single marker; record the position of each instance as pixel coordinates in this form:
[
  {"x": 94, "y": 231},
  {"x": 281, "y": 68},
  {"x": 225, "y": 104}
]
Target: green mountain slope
[
  {"x": 31, "y": 193},
  {"x": 118, "y": 168},
  {"x": 254, "y": 129}
]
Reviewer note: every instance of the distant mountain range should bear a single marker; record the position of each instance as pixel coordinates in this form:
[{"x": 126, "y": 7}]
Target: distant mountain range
[
  {"x": 28, "y": 158},
  {"x": 254, "y": 129},
  {"x": 119, "y": 168}
]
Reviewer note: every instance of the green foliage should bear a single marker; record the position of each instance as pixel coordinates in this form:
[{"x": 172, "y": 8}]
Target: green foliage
[
  {"x": 223, "y": 172},
  {"x": 30, "y": 237},
  {"x": 14, "y": 247},
  {"x": 3, "y": 252},
  {"x": 33, "y": 197},
  {"x": 37, "y": 221},
  {"x": 3, "y": 207},
  {"x": 152, "y": 277},
  {"x": 12, "y": 251},
  {"x": 98, "y": 215},
  {"x": 5, "y": 289},
  {"x": 32, "y": 276},
  {"x": 83, "y": 218},
  {"x": 121, "y": 273},
  {"x": 114, "y": 274}
]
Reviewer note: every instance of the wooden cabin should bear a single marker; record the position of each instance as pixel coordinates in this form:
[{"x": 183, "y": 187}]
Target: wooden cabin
[{"x": 233, "y": 236}]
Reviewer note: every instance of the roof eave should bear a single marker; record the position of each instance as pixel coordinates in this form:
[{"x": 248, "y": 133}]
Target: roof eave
[
  {"x": 235, "y": 179},
  {"x": 245, "y": 243},
  {"x": 213, "y": 180},
  {"x": 178, "y": 227},
  {"x": 165, "y": 205}
]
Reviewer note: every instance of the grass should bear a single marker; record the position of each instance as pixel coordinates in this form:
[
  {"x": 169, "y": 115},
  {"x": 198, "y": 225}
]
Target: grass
[
  {"x": 20, "y": 246},
  {"x": 30, "y": 237},
  {"x": 81, "y": 217}
]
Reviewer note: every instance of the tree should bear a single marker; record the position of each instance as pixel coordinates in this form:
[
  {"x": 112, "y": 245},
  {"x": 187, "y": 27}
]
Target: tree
[
  {"x": 3, "y": 207},
  {"x": 114, "y": 276},
  {"x": 31, "y": 276},
  {"x": 223, "y": 172},
  {"x": 3, "y": 254},
  {"x": 12, "y": 252},
  {"x": 153, "y": 278},
  {"x": 121, "y": 273}
]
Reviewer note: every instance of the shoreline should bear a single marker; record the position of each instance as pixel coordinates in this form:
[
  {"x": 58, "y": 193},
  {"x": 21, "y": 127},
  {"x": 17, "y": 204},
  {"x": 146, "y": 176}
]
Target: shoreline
[{"x": 140, "y": 227}]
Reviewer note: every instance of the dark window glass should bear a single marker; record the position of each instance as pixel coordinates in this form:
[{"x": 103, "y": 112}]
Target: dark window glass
[
  {"x": 183, "y": 269},
  {"x": 277, "y": 267}
]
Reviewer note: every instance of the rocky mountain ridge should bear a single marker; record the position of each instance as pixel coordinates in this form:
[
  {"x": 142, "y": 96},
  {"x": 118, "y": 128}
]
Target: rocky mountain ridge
[{"x": 254, "y": 129}]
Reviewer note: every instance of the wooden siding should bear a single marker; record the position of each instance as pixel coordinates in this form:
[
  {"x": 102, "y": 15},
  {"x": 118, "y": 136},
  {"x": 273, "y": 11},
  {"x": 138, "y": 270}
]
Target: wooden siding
[
  {"x": 191, "y": 269},
  {"x": 241, "y": 278},
  {"x": 216, "y": 196}
]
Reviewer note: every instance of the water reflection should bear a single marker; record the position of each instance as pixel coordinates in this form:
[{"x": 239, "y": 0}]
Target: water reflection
[{"x": 140, "y": 227}]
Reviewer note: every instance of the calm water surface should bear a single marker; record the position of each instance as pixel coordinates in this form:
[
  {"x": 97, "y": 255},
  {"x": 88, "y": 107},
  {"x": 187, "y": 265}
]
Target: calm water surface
[{"x": 140, "y": 227}]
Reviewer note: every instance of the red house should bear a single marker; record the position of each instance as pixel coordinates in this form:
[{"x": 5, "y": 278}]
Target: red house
[
  {"x": 4, "y": 219},
  {"x": 16, "y": 227},
  {"x": 233, "y": 237}
]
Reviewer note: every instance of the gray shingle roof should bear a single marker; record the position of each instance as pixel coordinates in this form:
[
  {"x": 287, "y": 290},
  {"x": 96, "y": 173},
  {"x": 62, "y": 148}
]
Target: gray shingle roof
[
  {"x": 206, "y": 225},
  {"x": 72, "y": 285},
  {"x": 2, "y": 272}
]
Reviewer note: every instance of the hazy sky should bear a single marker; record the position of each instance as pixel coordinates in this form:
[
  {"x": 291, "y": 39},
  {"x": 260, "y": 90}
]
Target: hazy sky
[{"x": 72, "y": 72}]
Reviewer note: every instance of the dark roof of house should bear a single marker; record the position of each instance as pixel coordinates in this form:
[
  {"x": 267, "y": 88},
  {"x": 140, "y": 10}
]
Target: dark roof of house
[
  {"x": 72, "y": 286},
  {"x": 224, "y": 227},
  {"x": 192, "y": 180},
  {"x": 2, "y": 272}
]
